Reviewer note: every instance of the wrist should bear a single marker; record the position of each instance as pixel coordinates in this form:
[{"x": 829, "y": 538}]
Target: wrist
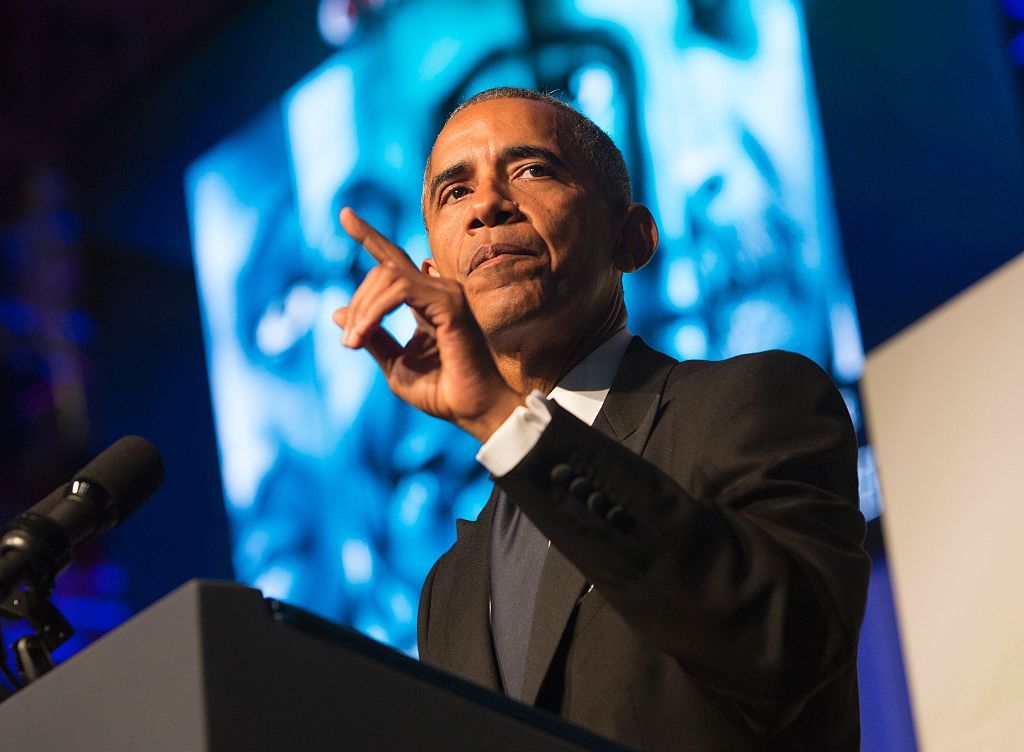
[{"x": 484, "y": 425}]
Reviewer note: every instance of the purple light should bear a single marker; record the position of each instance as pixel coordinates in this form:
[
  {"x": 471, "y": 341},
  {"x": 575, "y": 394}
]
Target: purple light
[
  {"x": 1014, "y": 9},
  {"x": 91, "y": 614},
  {"x": 1017, "y": 50}
]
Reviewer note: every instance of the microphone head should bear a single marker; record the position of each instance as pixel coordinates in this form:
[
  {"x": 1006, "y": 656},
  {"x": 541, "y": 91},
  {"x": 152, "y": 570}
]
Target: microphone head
[{"x": 129, "y": 470}]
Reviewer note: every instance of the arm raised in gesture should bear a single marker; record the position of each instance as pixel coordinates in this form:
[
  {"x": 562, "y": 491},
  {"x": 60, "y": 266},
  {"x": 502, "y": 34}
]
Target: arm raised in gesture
[{"x": 445, "y": 369}]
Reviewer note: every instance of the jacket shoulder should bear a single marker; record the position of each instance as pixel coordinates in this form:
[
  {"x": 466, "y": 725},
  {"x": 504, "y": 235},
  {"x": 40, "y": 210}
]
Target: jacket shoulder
[{"x": 774, "y": 371}]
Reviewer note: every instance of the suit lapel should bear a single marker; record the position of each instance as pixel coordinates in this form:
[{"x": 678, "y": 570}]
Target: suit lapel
[
  {"x": 634, "y": 400},
  {"x": 467, "y": 626},
  {"x": 627, "y": 416},
  {"x": 561, "y": 585}
]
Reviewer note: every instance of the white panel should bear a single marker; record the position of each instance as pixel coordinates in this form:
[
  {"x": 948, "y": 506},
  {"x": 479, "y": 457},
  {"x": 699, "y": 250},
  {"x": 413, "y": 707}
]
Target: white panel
[{"x": 945, "y": 406}]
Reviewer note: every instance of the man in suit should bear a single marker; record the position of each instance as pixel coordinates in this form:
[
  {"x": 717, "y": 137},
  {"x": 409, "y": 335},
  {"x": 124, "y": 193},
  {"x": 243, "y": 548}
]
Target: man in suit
[{"x": 672, "y": 556}]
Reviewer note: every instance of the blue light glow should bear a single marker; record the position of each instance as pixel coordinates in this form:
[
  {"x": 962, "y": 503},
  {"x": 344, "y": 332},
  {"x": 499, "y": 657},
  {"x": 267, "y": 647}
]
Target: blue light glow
[
  {"x": 357, "y": 561},
  {"x": 340, "y": 498}
]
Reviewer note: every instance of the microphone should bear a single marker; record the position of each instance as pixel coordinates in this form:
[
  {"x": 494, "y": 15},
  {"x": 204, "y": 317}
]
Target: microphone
[{"x": 38, "y": 544}]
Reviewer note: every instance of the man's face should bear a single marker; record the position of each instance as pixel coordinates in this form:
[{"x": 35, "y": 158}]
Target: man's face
[{"x": 515, "y": 217}]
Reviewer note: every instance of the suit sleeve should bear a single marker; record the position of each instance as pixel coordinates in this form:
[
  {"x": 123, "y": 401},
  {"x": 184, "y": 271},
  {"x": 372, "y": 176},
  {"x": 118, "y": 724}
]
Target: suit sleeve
[
  {"x": 737, "y": 547},
  {"x": 423, "y": 615}
]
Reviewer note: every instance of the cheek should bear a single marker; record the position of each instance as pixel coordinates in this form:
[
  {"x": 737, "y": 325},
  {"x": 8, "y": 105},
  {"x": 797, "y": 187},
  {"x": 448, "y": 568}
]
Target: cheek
[
  {"x": 444, "y": 251},
  {"x": 582, "y": 243},
  {"x": 561, "y": 221},
  {"x": 446, "y": 268}
]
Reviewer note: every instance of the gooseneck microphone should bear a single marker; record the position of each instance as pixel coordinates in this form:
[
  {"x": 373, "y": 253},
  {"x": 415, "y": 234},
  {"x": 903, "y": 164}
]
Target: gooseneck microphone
[{"x": 38, "y": 544}]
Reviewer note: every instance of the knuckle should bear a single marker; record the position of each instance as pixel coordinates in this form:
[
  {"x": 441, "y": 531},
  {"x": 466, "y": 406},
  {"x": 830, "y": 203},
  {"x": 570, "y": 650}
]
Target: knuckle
[
  {"x": 392, "y": 275},
  {"x": 457, "y": 295}
]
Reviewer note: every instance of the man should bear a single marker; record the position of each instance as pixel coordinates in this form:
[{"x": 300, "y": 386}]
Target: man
[{"x": 704, "y": 582}]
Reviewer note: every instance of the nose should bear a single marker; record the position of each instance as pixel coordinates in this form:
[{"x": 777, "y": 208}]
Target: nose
[{"x": 490, "y": 207}]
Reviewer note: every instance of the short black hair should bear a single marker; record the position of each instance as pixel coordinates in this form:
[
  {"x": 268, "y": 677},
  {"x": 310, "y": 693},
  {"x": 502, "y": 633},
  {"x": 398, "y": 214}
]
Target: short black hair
[{"x": 592, "y": 146}]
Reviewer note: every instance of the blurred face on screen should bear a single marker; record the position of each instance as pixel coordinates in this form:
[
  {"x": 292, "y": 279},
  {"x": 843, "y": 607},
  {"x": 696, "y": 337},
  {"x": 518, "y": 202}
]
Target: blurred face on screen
[
  {"x": 708, "y": 101},
  {"x": 728, "y": 126}
]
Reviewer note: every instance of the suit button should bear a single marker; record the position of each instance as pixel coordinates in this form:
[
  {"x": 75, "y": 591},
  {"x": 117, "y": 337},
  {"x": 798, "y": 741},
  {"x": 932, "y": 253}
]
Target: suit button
[
  {"x": 580, "y": 488},
  {"x": 598, "y": 503},
  {"x": 561, "y": 473},
  {"x": 619, "y": 519}
]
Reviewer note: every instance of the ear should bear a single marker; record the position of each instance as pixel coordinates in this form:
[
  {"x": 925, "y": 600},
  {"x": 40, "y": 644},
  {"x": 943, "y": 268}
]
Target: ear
[
  {"x": 429, "y": 268},
  {"x": 638, "y": 239}
]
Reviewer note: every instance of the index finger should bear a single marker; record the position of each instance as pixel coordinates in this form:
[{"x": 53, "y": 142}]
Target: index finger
[{"x": 367, "y": 236}]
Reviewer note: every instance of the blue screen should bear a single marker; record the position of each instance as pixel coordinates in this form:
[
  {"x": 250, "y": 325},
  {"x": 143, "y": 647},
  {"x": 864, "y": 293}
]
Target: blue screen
[{"x": 340, "y": 497}]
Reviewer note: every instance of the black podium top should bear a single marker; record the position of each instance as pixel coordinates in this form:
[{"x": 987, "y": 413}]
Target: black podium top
[{"x": 214, "y": 667}]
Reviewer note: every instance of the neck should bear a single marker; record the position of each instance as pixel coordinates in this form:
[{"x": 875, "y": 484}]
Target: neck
[{"x": 535, "y": 359}]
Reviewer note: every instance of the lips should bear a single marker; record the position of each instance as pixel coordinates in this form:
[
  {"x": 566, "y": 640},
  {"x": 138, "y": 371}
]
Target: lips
[{"x": 489, "y": 251}]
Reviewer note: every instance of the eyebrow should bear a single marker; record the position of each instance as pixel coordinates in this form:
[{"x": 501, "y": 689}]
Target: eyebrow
[
  {"x": 448, "y": 173},
  {"x": 508, "y": 154},
  {"x": 525, "y": 151}
]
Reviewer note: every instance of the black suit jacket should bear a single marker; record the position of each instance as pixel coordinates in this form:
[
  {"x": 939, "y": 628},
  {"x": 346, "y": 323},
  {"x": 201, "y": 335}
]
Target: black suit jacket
[{"x": 706, "y": 580}]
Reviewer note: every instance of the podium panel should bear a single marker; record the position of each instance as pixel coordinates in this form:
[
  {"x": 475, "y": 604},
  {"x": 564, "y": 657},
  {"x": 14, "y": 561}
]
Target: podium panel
[{"x": 214, "y": 667}]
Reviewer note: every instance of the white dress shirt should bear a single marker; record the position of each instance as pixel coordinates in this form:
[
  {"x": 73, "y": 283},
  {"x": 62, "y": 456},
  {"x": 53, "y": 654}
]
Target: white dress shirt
[{"x": 582, "y": 392}]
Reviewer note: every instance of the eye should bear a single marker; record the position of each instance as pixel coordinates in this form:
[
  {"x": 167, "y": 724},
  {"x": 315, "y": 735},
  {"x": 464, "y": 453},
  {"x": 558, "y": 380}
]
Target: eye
[
  {"x": 454, "y": 193},
  {"x": 536, "y": 171}
]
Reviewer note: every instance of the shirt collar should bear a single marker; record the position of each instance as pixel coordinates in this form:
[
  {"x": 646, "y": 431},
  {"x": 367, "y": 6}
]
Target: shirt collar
[{"x": 583, "y": 390}]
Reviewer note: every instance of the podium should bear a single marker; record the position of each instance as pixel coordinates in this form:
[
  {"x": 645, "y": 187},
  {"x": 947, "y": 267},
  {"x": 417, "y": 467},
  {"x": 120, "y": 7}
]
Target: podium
[{"x": 214, "y": 667}]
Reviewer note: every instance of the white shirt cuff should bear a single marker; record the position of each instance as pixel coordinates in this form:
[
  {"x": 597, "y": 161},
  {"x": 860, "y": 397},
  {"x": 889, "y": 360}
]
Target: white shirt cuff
[{"x": 514, "y": 438}]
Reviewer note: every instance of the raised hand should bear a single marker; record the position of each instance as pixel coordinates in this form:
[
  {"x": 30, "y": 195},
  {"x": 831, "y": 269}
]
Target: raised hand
[{"x": 446, "y": 368}]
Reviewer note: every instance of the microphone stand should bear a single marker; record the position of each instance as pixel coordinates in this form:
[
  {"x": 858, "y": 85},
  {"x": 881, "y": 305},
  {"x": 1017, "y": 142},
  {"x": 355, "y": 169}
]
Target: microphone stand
[{"x": 34, "y": 652}]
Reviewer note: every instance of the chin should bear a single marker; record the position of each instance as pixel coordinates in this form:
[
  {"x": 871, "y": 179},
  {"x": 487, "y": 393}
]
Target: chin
[{"x": 509, "y": 318}]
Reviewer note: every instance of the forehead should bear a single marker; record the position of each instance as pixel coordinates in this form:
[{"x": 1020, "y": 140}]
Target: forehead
[{"x": 482, "y": 129}]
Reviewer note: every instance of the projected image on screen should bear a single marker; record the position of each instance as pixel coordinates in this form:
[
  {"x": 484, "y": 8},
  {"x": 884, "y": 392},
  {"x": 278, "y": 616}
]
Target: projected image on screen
[{"x": 340, "y": 497}]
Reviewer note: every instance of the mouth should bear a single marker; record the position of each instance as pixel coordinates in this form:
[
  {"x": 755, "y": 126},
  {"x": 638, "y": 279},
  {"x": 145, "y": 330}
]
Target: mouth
[{"x": 490, "y": 251}]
